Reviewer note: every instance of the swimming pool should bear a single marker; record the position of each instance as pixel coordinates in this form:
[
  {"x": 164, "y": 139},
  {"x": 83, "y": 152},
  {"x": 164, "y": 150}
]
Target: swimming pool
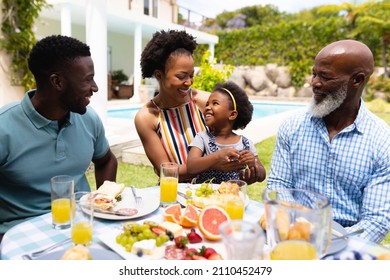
[{"x": 261, "y": 110}]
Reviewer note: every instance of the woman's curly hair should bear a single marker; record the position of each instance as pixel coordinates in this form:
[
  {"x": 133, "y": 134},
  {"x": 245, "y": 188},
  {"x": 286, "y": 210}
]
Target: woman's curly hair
[
  {"x": 161, "y": 46},
  {"x": 244, "y": 106}
]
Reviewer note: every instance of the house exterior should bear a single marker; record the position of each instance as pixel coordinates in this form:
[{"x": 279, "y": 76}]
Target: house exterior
[{"x": 116, "y": 30}]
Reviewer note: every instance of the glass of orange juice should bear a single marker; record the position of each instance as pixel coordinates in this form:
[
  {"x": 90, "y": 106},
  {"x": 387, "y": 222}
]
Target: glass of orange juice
[
  {"x": 82, "y": 218},
  {"x": 298, "y": 224},
  {"x": 169, "y": 180},
  {"x": 235, "y": 199},
  {"x": 62, "y": 188}
]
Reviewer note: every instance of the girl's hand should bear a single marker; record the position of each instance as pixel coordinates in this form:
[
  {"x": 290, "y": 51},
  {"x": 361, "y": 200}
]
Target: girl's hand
[
  {"x": 228, "y": 154},
  {"x": 252, "y": 170},
  {"x": 227, "y": 159},
  {"x": 247, "y": 158}
]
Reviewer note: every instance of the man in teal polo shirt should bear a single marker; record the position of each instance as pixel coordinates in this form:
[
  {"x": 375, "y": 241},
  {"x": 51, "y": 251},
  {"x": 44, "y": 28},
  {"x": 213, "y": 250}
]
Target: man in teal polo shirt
[{"x": 51, "y": 132}]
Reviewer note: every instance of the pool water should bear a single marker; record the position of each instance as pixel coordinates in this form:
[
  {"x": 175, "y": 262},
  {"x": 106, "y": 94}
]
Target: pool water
[{"x": 260, "y": 110}]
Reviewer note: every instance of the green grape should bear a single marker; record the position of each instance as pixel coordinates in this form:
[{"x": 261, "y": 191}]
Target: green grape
[
  {"x": 124, "y": 240},
  {"x": 136, "y": 228},
  {"x": 132, "y": 239},
  {"x": 118, "y": 238},
  {"x": 153, "y": 235},
  {"x": 141, "y": 236},
  {"x": 147, "y": 233},
  {"x": 159, "y": 241},
  {"x": 189, "y": 192},
  {"x": 145, "y": 227},
  {"x": 128, "y": 247},
  {"x": 164, "y": 237}
]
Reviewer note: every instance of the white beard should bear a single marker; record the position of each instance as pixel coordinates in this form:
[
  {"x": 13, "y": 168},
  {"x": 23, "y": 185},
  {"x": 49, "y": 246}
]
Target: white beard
[{"x": 330, "y": 103}]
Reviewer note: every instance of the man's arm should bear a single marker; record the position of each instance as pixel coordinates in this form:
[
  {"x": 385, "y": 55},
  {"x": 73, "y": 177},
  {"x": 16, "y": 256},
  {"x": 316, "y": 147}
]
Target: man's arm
[
  {"x": 105, "y": 168},
  {"x": 280, "y": 175},
  {"x": 374, "y": 216}
]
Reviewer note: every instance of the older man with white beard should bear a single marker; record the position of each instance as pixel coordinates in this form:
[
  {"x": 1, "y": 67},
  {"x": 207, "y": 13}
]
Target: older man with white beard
[{"x": 338, "y": 147}]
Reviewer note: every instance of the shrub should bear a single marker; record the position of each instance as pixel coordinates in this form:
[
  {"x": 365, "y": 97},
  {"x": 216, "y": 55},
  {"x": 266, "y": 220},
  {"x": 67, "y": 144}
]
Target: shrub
[{"x": 209, "y": 75}]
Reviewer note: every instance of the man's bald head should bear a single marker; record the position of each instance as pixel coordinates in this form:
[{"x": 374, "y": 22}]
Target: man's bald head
[{"x": 353, "y": 57}]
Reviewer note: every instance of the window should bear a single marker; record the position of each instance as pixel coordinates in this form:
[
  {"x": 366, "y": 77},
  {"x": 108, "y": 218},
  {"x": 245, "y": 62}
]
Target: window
[{"x": 146, "y": 7}]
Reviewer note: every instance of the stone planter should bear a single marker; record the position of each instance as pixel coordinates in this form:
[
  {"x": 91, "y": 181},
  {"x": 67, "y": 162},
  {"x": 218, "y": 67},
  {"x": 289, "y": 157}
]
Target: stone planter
[{"x": 125, "y": 92}]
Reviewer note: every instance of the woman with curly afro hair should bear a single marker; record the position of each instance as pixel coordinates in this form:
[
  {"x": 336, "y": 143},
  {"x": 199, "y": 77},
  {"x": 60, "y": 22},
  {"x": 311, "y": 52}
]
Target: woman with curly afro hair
[
  {"x": 228, "y": 108},
  {"x": 167, "y": 123}
]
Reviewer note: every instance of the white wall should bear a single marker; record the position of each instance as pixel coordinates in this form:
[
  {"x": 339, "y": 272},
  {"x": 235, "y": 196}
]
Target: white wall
[
  {"x": 122, "y": 52},
  {"x": 8, "y": 93},
  {"x": 49, "y": 27}
]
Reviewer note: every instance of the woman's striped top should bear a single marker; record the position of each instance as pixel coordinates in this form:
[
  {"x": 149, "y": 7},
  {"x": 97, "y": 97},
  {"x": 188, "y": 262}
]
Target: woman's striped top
[{"x": 177, "y": 127}]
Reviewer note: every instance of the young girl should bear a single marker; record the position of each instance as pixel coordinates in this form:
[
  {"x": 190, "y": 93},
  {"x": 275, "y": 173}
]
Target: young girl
[{"x": 228, "y": 108}]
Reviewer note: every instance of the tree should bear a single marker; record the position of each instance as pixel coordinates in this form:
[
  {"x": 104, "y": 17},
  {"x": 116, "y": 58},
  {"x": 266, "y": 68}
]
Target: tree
[
  {"x": 372, "y": 18},
  {"x": 252, "y": 15},
  {"x": 377, "y": 20},
  {"x": 18, "y": 36}
]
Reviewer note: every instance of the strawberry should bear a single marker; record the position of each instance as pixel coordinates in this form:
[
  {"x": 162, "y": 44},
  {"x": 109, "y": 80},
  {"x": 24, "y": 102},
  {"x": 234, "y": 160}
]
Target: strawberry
[
  {"x": 207, "y": 251},
  {"x": 181, "y": 241},
  {"x": 200, "y": 258},
  {"x": 193, "y": 237},
  {"x": 192, "y": 252},
  {"x": 215, "y": 256}
]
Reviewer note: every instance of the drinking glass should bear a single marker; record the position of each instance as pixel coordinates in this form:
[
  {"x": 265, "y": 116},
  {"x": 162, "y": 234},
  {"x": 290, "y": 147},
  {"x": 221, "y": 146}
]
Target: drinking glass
[
  {"x": 298, "y": 224},
  {"x": 235, "y": 204},
  {"x": 82, "y": 218},
  {"x": 243, "y": 240},
  {"x": 169, "y": 180},
  {"x": 62, "y": 188}
]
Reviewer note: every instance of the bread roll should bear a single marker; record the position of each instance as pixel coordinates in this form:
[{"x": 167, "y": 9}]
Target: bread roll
[
  {"x": 78, "y": 252},
  {"x": 282, "y": 221}
]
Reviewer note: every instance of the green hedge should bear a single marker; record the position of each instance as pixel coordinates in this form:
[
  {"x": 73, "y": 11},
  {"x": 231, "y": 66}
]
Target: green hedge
[{"x": 293, "y": 44}]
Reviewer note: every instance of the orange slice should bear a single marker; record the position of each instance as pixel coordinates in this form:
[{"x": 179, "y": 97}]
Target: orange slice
[
  {"x": 172, "y": 213},
  {"x": 210, "y": 218},
  {"x": 189, "y": 218}
]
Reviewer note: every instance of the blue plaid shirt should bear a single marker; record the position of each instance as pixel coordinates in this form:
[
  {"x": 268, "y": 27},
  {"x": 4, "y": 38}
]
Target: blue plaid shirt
[{"x": 353, "y": 170}]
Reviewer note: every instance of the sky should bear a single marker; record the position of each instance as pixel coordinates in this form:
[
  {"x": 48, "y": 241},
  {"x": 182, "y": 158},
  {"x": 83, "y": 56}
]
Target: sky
[{"x": 211, "y": 8}]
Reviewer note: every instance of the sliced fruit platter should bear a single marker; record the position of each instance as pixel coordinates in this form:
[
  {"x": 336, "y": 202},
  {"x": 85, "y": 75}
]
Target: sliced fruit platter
[{"x": 180, "y": 234}]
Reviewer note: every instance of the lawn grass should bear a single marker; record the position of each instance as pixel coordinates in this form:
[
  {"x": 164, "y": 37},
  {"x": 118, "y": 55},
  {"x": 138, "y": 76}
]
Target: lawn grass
[{"x": 144, "y": 176}]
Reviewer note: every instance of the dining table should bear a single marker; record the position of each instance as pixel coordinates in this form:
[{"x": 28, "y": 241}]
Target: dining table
[{"x": 38, "y": 233}]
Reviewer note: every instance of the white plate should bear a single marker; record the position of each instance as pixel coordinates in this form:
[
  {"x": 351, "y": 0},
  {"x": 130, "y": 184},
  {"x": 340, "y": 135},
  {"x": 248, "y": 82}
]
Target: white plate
[
  {"x": 150, "y": 202},
  {"x": 340, "y": 244},
  {"x": 182, "y": 188},
  {"x": 109, "y": 238},
  {"x": 97, "y": 254}
]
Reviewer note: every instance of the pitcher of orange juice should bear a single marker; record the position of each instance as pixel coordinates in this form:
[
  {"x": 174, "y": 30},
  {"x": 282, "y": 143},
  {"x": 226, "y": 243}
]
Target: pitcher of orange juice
[{"x": 298, "y": 224}]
